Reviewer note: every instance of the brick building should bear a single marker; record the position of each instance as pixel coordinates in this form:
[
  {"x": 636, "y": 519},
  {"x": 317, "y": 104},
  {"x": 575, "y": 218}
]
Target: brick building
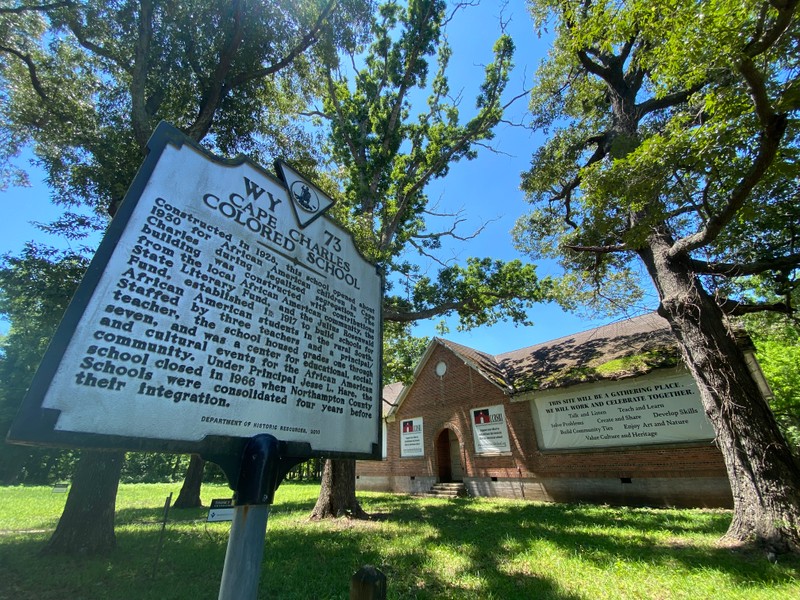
[{"x": 608, "y": 415}]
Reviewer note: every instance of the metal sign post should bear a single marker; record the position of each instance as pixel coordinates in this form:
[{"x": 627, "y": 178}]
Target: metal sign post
[
  {"x": 264, "y": 463},
  {"x": 242, "y": 569},
  {"x": 258, "y": 479}
]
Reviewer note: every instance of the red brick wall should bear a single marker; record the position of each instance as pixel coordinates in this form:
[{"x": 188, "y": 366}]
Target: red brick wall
[{"x": 445, "y": 402}]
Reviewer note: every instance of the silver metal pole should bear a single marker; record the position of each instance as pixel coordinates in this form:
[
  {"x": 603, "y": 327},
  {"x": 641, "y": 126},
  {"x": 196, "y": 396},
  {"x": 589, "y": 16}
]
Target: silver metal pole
[
  {"x": 259, "y": 476},
  {"x": 242, "y": 569}
]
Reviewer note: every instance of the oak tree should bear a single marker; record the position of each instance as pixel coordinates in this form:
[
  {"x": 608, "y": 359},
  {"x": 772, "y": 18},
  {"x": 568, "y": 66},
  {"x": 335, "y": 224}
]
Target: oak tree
[
  {"x": 673, "y": 147},
  {"x": 395, "y": 126}
]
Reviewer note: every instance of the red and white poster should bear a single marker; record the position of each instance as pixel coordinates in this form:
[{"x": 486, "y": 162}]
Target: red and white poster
[
  {"x": 490, "y": 430},
  {"x": 412, "y": 443}
]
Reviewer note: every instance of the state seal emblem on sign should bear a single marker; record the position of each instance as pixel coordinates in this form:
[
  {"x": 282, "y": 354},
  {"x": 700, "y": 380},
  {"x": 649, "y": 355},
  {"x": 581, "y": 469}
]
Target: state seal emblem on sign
[
  {"x": 308, "y": 201},
  {"x": 305, "y": 197}
]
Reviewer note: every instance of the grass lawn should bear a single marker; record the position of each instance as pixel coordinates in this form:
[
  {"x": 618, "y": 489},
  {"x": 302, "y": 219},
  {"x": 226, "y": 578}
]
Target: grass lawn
[{"x": 428, "y": 548}]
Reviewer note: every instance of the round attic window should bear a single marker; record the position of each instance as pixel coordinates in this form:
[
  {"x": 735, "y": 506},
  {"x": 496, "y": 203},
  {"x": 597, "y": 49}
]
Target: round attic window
[{"x": 441, "y": 368}]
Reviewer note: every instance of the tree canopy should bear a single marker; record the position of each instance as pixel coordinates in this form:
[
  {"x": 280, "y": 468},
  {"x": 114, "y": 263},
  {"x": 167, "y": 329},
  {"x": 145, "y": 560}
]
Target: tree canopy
[
  {"x": 670, "y": 116},
  {"x": 35, "y": 288},
  {"x": 388, "y": 142},
  {"x": 88, "y": 81}
]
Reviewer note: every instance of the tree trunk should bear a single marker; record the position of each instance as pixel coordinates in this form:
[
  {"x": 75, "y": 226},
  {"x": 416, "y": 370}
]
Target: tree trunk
[
  {"x": 87, "y": 524},
  {"x": 189, "y": 496},
  {"x": 337, "y": 496},
  {"x": 764, "y": 475}
]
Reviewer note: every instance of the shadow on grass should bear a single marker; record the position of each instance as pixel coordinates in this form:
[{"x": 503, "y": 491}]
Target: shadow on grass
[
  {"x": 130, "y": 516},
  {"x": 189, "y": 568},
  {"x": 600, "y": 535},
  {"x": 459, "y": 549}
]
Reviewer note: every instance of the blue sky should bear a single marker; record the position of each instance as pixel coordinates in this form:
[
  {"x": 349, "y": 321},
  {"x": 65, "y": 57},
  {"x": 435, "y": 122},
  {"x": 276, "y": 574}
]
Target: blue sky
[{"x": 486, "y": 189}]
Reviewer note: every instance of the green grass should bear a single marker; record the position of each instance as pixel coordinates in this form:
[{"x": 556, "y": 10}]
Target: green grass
[{"x": 428, "y": 548}]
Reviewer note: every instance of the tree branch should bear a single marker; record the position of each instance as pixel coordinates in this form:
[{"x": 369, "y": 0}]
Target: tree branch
[
  {"x": 308, "y": 40},
  {"x": 767, "y": 37},
  {"x": 77, "y": 30},
  {"x": 668, "y": 101},
  {"x": 140, "y": 119},
  {"x": 773, "y": 128},
  {"x": 599, "y": 249},
  {"x": 593, "y": 67},
  {"x": 565, "y": 193},
  {"x": 400, "y": 316},
  {"x": 32, "y": 73},
  {"x": 357, "y": 150},
  {"x": 767, "y": 150},
  {"x": 221, "y": 83},
  {"x": 474, "y": 130},
  {"x": 467, "y": 306},
  {"x": 402, "y": 90},
  {"x": 216, "y": 89},
  {"x": 390, "y": 128},
  {"x": 737, "y": 309},
  {"x": 34, "y": 7},
  {"x": 782, "y": 263},
  {"x": 430, "y": 240}
]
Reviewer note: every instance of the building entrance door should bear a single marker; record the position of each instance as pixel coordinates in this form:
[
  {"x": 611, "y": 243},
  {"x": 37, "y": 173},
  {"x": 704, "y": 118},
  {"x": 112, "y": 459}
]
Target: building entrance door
[{"x": 448, "y": 457}]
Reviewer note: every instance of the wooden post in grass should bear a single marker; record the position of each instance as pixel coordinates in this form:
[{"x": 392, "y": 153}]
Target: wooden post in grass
[
  {"x": 368, "y": 583},
  {"x": 167, "y": 502}
]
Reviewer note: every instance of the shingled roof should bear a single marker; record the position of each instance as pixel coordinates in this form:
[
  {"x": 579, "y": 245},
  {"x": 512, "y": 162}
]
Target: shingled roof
[
  {"x": 391, "y": 392},
  {"x": 622, "y": 349}
]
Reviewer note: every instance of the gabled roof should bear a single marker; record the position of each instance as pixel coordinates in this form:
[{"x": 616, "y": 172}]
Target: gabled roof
[
  {"x": 487, "y": 365},
  {"x": 391, "y": 392},
  {"x": 622, "y": 349}
]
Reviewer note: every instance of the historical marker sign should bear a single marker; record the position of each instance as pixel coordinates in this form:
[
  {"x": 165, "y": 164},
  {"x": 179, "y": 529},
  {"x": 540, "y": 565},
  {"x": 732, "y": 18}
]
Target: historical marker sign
[{"x": 222, "y": 303}]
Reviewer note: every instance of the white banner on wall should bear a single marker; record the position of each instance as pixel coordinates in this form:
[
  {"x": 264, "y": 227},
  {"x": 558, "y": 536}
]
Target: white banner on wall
[
  {"x": 411, "y": 439},
  {"x": 654, "y": 409},
  {"x": 489, "y": 430}
]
